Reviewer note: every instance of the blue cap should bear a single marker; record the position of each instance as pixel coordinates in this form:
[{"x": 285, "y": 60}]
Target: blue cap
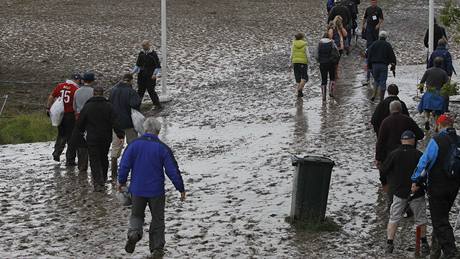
[
  {"x": 408, "y": 135},
  {"x": 89, "y": 77}
]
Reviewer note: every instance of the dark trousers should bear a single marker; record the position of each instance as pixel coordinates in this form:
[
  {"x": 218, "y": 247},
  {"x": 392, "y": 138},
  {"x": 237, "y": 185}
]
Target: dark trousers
[
  {"x": 81, "y": 148},
  {"x": 327, "y": 69},
  {"x": 380, "y": 74},
  {"x": 65, "y": 130},
  {"x": 99, "y": 162},
  {"x": 147, "y": 83},
  {"x": 157, "y": 226},
  {"x": 441, "y": 199},
  {"x": 371, "y": 36}
]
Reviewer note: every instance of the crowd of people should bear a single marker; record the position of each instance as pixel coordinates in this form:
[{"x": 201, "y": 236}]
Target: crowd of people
[
  {"x": 407, "y": 175},
  {"x": 92, "y": 125}
]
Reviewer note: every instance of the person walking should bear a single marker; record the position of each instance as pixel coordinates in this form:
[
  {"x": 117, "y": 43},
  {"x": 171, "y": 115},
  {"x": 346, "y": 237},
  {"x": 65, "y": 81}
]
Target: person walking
[
  {"x": 123, "y": 98},
  {"x": 148, "y": 159},
  {"x": 382, "y": 111},
  {"x": 148, "y": 66},
  {"x": 82, "y": 95},
  {"x": 389, "y": 135},
  {"x": 442, "y": 52},
  {"x": 340, "y": 9},
  {"x": 397, "y": 169},
  {"x": 299, "y": 60},
  {"x": 328, "y": 56},
  {"x": 442, "y": 187},
  {"x": 439, "y": 33},
  {"x": 66, "y": 91},
  {"x": 432, "y": 103},
  {"x": 372, "y": 22},
  {"x": 379, "y": 56},
  {"x": 98, "y": 119}
]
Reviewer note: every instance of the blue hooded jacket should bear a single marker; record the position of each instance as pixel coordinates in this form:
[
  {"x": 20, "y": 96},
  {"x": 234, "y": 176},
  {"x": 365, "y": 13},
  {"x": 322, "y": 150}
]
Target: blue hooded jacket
[
  {"x": 443, "y": 52},
  {"x": 149, "y": 159}
]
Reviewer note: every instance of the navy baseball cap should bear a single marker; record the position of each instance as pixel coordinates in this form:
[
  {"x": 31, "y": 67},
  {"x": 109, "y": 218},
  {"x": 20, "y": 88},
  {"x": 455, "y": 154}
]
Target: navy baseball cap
[
  {"x": 408, "y": 135},
  {"x": 89, "y": 77}
]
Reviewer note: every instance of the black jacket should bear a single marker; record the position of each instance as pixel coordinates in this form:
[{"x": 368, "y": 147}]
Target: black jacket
[
  {"x": 343, "y": 12},
  {"x": 383, "y": 110},
  {"x": 381, "y": 52},
  {"x": 397, "y": 171},
  {"x": 325, "y": 48},
  {"x": 439, "y": 32},
  {"x": 98, "y": 119},
  {"x": 390, "y": 134},
  {"x": 147, "y": 62},
  {"x": 123, "y": 97}
]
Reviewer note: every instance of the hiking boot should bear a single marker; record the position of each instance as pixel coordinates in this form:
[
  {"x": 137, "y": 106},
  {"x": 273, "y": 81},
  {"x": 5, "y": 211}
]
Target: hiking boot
[
  {"x": 427, "y": 125},
  {"x": 323, "y": 92},
  {"x": 130, "y": 245},
  {"x": 114, "y": 168},
  {"x": 372, "y": 98},
  {"x": 56, "y": 158},
  {"x": 389, "y": 249},
  {"x": 70, "y": 164},
  {"x": 157, "y": 253},
  {"x": 299, "y": 94},
  {"x": 425, "y": 249}
]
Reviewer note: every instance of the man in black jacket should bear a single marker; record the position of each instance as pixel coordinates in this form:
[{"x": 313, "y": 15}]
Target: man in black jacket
[
  {"x": 397, "y": 170},
  {"x": 98, "y": 119},
  {"x": 379, "y": 55},
  {"x": 439, "y": 33},
  {"x": 148, "y": 65},
  {"x": 382, "y": 111},
  {"x": 390, "y": 133},
  {"x": 123, "y": 98}
]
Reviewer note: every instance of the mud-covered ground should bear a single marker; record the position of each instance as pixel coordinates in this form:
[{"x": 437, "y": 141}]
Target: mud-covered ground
[{"x": 233, "y": 123}]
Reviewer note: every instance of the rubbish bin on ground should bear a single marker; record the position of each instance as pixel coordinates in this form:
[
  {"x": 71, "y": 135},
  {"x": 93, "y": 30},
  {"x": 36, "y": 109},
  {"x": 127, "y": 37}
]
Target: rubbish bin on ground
[{"x": 311, "y": 188}]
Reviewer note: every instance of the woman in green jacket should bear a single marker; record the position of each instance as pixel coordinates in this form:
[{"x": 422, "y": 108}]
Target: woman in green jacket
[{"x": 299, "y": 60}]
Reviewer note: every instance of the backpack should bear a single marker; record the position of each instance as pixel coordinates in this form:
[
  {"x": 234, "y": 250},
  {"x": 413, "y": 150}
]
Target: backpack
[
  {"x": 452, "y": 163},
  {"x": 335, "y": 55}
]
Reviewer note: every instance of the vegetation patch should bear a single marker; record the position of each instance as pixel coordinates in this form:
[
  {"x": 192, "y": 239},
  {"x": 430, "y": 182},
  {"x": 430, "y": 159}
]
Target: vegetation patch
[{"x": 26, "y": 128}]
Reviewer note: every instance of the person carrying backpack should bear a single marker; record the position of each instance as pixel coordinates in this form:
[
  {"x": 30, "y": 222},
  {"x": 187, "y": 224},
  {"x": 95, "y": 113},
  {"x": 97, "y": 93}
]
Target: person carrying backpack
[
  {"x": 439, "y": 169},
  {"x": 328, "y": 57}
]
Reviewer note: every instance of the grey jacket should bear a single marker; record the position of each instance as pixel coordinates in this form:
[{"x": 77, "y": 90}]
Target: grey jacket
[{"x": 81, "y": 96}]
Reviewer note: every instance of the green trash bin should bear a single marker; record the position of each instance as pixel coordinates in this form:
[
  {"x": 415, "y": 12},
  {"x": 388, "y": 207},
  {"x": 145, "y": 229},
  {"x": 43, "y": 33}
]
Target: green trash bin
[{"x": 311, "y": 188}]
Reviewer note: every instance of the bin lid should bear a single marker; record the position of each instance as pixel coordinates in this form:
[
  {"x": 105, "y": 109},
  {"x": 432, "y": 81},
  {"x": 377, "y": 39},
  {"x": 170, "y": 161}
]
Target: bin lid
[{"x": 315, "y": 159}]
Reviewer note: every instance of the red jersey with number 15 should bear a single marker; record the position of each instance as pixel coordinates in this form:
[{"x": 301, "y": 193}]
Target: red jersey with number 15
[{"x": 66, "y": 91}]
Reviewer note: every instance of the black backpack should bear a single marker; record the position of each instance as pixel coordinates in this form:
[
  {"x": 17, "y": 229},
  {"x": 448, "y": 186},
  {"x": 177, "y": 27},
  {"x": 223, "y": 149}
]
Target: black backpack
[
  {"x": 452, "y": 162},
  {"x": 335, "y": 55}
]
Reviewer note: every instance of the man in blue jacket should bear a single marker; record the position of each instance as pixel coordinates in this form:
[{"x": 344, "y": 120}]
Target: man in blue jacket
[
  {"x": 442, "y": 188},
  {"x": 148, "y": 159},
  {"x": 443, "y": 52}
]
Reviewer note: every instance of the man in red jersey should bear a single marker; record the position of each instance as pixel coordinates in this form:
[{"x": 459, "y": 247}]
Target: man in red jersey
[{"x": 65, "y": 90}]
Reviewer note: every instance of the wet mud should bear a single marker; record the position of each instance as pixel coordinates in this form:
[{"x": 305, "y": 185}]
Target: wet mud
[{"x": 233, "y": 123}]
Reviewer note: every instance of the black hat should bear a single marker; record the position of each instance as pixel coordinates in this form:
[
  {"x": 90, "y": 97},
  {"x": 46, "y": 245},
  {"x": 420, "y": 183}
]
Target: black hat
[
  {"x": 407, "y": 135},
  {"x": 89, "y": 77}
]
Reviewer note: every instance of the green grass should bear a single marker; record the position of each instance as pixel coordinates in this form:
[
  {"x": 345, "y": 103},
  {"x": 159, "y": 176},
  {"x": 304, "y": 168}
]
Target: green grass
[{"x": 26, "y": 128}]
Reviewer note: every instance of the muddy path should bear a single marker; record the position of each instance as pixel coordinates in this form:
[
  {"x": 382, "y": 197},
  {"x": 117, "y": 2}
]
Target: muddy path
[{"x": 233, "y": 123}]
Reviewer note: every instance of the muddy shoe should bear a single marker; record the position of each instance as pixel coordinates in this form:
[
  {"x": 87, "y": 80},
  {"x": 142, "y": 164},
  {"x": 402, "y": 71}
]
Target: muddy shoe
[
  {"x": 389, "y": 249},
  {"x": 131, "y": 245},
  {"x": 365, "y": 82},
  {"x": 372, "y": 98},
  {"x": 56, "y": 158},
  {"x": 157, "y": 253},
  {"x": 425, "y": 249},
  {"x": 299, "y": 94}
]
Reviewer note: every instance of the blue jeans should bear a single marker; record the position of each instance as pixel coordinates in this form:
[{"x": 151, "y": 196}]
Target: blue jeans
[{"x": 380, "y": 74}]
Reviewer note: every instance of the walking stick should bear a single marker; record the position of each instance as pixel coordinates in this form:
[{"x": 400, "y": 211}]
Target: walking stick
[
  {"x": 4, "y": 103},
  {"x": 418, "y": 233}
]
